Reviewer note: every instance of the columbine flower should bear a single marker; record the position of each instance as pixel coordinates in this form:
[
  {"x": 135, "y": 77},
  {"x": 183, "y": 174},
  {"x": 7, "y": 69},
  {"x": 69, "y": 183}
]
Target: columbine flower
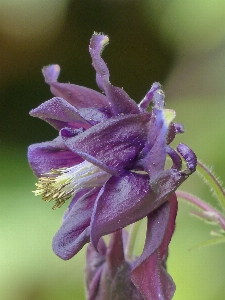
[{"x": 109, "y": 157}]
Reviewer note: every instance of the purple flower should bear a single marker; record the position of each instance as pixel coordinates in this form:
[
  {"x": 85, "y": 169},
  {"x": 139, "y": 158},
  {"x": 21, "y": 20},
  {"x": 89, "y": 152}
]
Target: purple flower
[
  {"x": 110, "y": 274},
  {"x": 110, "y": 157}
]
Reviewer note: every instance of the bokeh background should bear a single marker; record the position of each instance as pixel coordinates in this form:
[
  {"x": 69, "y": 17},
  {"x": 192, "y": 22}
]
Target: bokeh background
[{"x": 178, "y": 43}]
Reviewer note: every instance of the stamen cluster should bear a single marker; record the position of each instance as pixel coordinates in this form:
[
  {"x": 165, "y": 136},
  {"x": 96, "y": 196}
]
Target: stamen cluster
[{"x": 61, "y": 184}]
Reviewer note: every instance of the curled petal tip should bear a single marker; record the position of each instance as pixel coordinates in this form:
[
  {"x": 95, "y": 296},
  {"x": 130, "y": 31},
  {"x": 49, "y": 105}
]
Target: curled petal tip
[
  {"x": 189, "y": 157},
  {"x": 98, "y": 42},
  {"x": 51, "y": 73},
  {"x": 176, "y": 159},
  {"x": 149, "y": 96}
]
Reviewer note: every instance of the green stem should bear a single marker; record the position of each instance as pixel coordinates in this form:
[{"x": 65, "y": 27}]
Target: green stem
[
  {"x": 204, "y": 206},
  {"x": 213, "y": 183}
]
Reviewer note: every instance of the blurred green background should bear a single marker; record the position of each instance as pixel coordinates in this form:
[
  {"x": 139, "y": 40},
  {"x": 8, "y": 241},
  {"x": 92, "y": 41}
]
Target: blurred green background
[{"x": 178, "y": 43}]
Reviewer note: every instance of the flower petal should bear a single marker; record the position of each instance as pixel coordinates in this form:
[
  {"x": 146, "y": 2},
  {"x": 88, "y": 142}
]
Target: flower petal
[
  {"x": 161, "y": 225},
  {"x": 171, "y": 134},
  {"x": 51, "y": 73},
  {"x": 159, "y": 99},
  {"x": 122, "y": 201},
  {"x": 175, "y": 157},
  {"x": 85, "y": 192},
  {"x": 93, "y": 288},
  {"x": 113, "y": 143},
  {"x": 75, "y": 231},
  {"x": 59, "y": 113},
  {"x": 170, "y": 227},
  {"x": 78, "y": 96},
  {"x": 166, "y": 184},
  {"x": 189, "y": 156},
  {"x": 120, "y": 101},
  {"x": 155, "y": 150},
  {"x": 45, "y": 156},
  {"x": 125, "y": 200},
  {"x": 149, "y": 272},
  {"x": 94, "y": 261},
  {"x": 115, "y": 253},
  {"x": 149, "y": 96},
  {"x": 174, "y": 128},
  {"x": 95, "y": 115}
]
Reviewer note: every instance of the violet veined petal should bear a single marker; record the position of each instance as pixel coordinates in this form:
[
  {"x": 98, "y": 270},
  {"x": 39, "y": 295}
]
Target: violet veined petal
[
  {"x": 68, "y": 244},
  {"x": 59, "y": 113},
  {"x": 165, "y": 185},
  {"x": 155, "y": 150},
  {"x": 156, "y": 228},
  {"x": 171, "y": 179},
  {"x": 120, "y": 101},
  {"x": 95, "y": 115},
  {"x": 113, "y": 143},
  {"x": 75, "y": 231},
  {"x": 120, "y": 204},
  {"x": 45, "y": 156},
  {"x": 78, "y": 96},
  {"x": 122, "y": 201},
  {"x": 83, "y": 193},
  {"x": 160, "y": 228},
  {"x": 156, "y": 283}
]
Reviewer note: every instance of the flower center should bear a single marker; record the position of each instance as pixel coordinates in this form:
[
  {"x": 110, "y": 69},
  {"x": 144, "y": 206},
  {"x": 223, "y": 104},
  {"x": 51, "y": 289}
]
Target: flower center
[{"x": 60, "y": 184}]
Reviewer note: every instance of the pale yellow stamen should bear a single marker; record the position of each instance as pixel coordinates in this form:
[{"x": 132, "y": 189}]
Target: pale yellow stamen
[{"x": 60, "y": 184}]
